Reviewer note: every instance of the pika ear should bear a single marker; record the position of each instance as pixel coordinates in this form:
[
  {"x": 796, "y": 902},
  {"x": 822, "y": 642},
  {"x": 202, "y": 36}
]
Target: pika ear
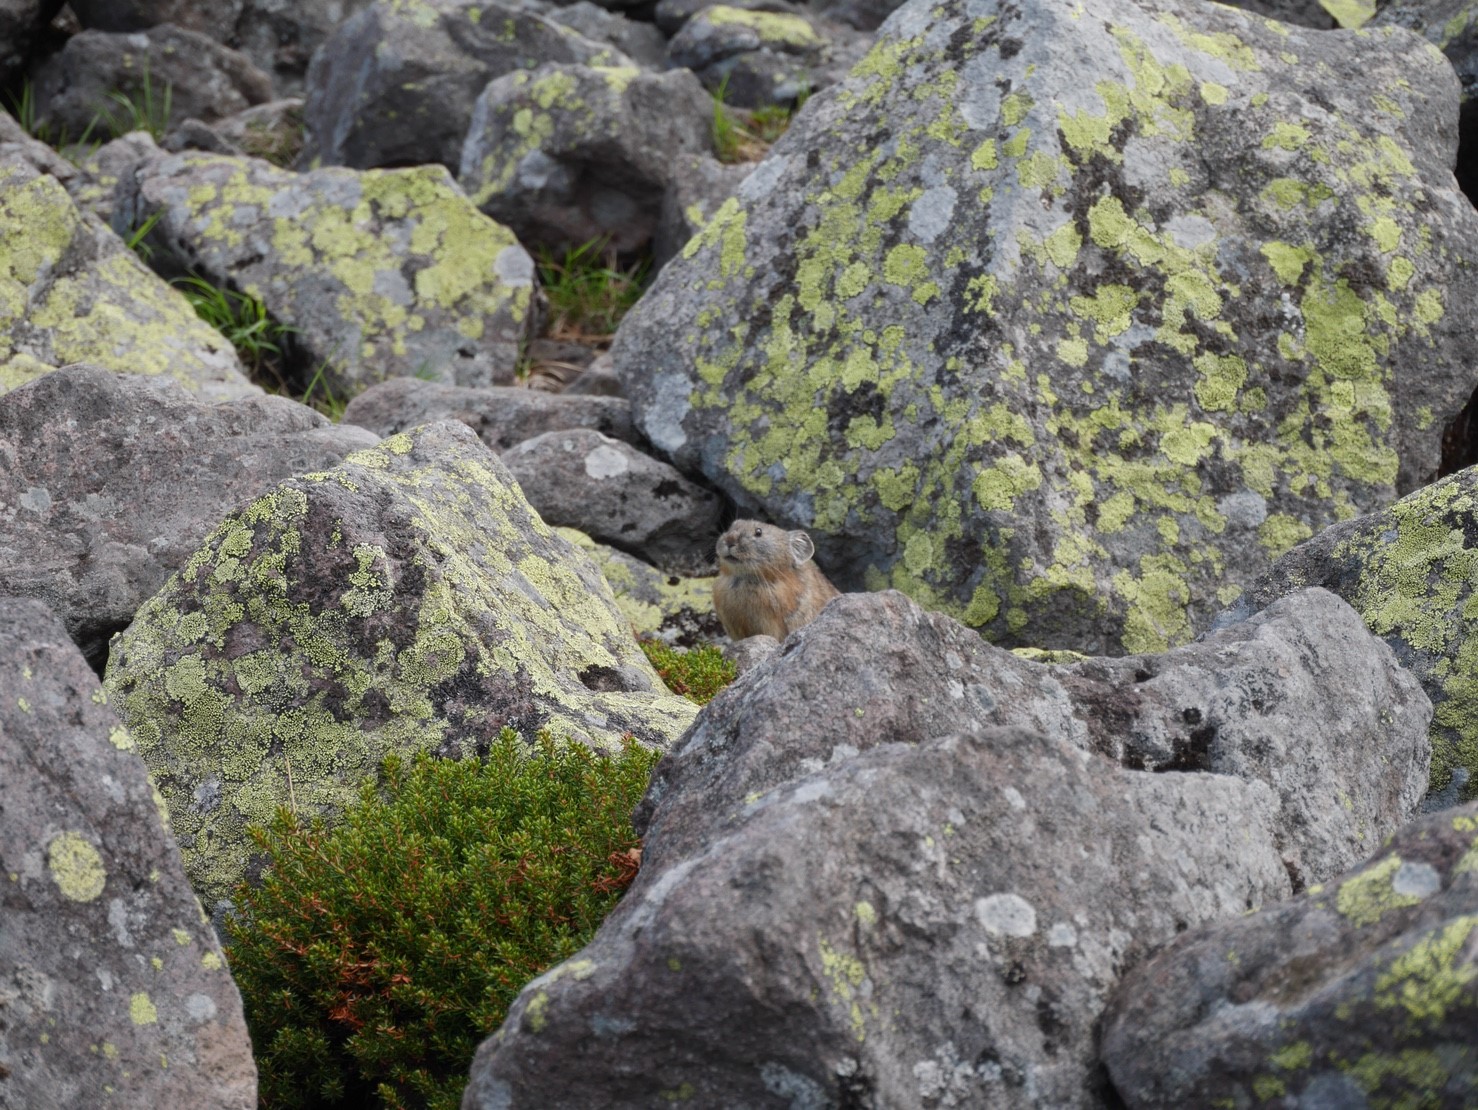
[{"x": 801, "y": 547}]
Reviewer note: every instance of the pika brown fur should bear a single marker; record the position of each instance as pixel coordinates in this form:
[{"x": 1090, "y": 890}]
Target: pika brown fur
[{"x": 767, "y": 584}]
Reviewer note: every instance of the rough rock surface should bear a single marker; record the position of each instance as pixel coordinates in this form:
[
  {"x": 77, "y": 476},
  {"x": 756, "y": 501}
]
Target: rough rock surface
[
  {"x": 1070, "y": 325},
  {"x": 1410, "y": 571},
  {"x": 566, "y": 154},
  {"x": 1299, "y": 697},
  {"x": 675, "y": 609},
  {"x": 21, "y": 21},
  {"x": 15, "y": 141},
  {"x": 395, "y": 84},
  {"x": 204, "y": 79},
  {"x": 407, "y": 600},
  {"x": 109, "y": 482},
  {"x": 1363, "y": 992},
  {"x": 614, "y": 493},
  {"x": 923, "y": 924},
  {"x": 500, "y": 415},
  {"x": 758, "y": 57},
  {"x": 381, "y": 274},
  {"x": 113, "y": 991},
  {"x": 643, "y": 43},
  {"x": 72, "y": 291},
  {"x": 280, "y": 36},
  {"x": 699, "y": 187},
  {"x": 271, "y": 131}
]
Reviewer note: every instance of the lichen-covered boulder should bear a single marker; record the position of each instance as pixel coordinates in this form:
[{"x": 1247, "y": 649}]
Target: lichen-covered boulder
[
  {"x": 699, "y": 187},
  {"x": 1069, "y": 322},
  {"x": 1362, "y": 992},
  {"x": 1410, "y": 571},
  {"x": 72, "y": 291},
  {"x": 925, "y": 924},
  {"x": 169, "y": 73},
  {"x": 566, "y": 154},
  {"x": 395, "y": 83},
  {"x": 757, "y": 57},
  {"x": 113, "y": 991},
  {"x": 500, "y": 415},
  {"x": 614, "y": 493},
  {"x": 676, "y": 609},
  {"x": 109, "y": 482},
  {"x": 380, "y": 274},
  {"x": 643, "y": 43},
  {"x": 406, "y": 600}
]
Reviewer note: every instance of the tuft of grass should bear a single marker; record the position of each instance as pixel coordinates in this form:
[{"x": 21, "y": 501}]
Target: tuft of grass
[
  {"x": 245, "y": 323},
  {"x": 589, "y": 291},
  {"x": 746, "y": 136},
  {"x": 321, "y": 396},
  {"x": 145, "y": 109},
  {"x": 23, "y": 108},
  {"x": 375, "y": 956},
  {"x": 697, "y": 675}
]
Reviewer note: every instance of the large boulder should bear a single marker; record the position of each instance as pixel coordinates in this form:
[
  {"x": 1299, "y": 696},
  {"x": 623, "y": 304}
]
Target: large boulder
[
  {"x": 166, "y": 74},
  {"x": 568, "y": 154},
  {"x": 407, "y": 600},
  {"x": 109, "y": 482},
  {"x": 379, "y": 274},
  {"x": 1069, "y": 326},
  {"x": 72, "y": 291},
  {"x": 113, "y": 990},
  {"x": 281, "y": 36},
  {"x": 395, "y": 83},
  {"x": 1363, "y": 992},
  {"x": 674, "y": 609},
  {"x": 1410, "y": 571},
  {"x": 893, "y": 865}
]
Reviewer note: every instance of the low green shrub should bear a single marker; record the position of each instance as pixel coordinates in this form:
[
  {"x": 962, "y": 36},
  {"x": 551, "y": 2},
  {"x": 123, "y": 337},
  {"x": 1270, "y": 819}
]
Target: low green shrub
[
  {"x": 698, "y": 674},
  {"x": 375, "y": 956}
]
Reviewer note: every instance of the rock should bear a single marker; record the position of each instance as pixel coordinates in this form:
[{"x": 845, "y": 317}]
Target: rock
[
  {"x": 109, "y": 482},
  {"x": 643, "y": 43},
  {"x": 1299, "y": 698},
  {"x": 94, "y": 181},
  {"x": 675, "y": 609},
  {"x": 750, "y": 652},
  {"x": 379, "y": 274},
  {"x": 113, "y": 989},
  {"x": 933, "y": 923},
  {"x": 568, "y": 154},
  {"x": 281, "y": 35},
  {"x": 407, "y": 600},
  {"x": 863, "y": 15},
  {"x": 616, "y": 494},
  {"x": 1181, "y": 333},
  {"x": 757, "y": 57},
  {"x": 21, "y": 23},
  {"x": 1358, "y": 993},
  {"x": 71, "y": 291},
  {"x": 16, "y": 142},
  {"x": 1304, "y": 13},
  {"x": 671, "y": 15},
  {"x": 1409, "y": 571},
  {"x": 700, "y": 184},
  {"x": 167, "y": 73},
  {"x": 272, "y": 132},
  {"x": 500, "y": 415},
  {"x": 216, "y": 19},
  {"x": 597, "y": 380},
  {"x": 395, "y": 83}
]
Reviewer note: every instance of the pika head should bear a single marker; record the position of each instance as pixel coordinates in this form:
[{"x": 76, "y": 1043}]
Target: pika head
[{"x": 767, "y": 584}]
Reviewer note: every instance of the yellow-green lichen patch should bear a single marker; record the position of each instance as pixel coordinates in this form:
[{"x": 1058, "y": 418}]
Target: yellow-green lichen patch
[
  {"x": 111, "y": 311},
  {"x": 775, "y": 29},
  {"x": 407, "y": 600},
  {"x": 1432, "y": 976},
  {"x": 76, "y": 867},
  {"x": 1365, "y": 898},
  {"x": 846, "y": 976},
  {"x": 654, "y": 603},
  {"x": 141, "y": 1009},
  {"x": 380, "y": 272}
]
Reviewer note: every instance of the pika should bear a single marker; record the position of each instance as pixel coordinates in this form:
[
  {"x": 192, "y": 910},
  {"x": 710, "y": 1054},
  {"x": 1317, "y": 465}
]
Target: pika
[{"x": 767, "y": 584}]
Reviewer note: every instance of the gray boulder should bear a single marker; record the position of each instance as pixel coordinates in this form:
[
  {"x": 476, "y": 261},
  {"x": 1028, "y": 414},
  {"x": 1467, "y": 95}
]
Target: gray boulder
[
  {"x": 72, "y": 291},
  {"x": 1409, "y": 571},
  {"x": 568, "y": 154},
  {"x": 1070, "y": 327},
  {"x": 757, "y": 57},
  {"x": 281, "y": 36},
  {"x": 395, "y": 83},
  {"x": 500, "y": 415},
  {"x": 408, "y": 600},
  {"x": 109, "y": 482},
  {"x": 271, "y": 131},
  {"x": 113, "y": 990},
  {"x": 616, "y": 494},
  {"x": 21, "y": 23},
  {"x": 216, "y": 19},
  {"x": 1362, "y": 992},
  {"x": 643, "y": 43},
  {"x": 699, "y": 187},
  {"x": 1300, "y": 698},
  {"x": 379, "y": 274},
  {"x": 933, "y": 923},
  {"x": 671, "y": 15},
  {"x": 168, "y": 73}
]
